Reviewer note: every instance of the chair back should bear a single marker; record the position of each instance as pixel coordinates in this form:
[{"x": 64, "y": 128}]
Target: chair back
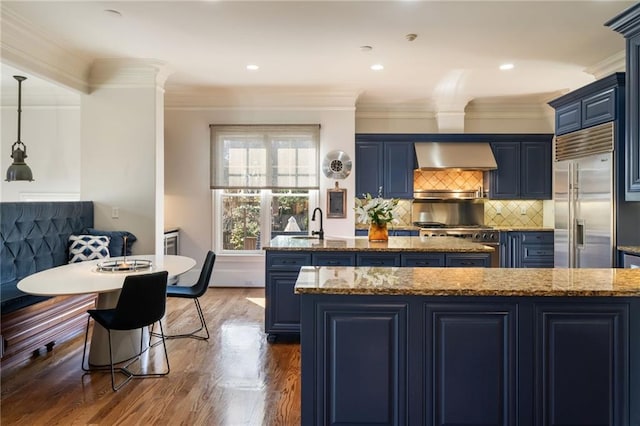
[
  {"x": 205, "y": 275},
  {"x": 142, "y": 301}
]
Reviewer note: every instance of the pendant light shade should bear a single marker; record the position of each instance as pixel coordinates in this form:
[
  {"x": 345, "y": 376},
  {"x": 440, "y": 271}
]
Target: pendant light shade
[{"x": 19, "y": 170}]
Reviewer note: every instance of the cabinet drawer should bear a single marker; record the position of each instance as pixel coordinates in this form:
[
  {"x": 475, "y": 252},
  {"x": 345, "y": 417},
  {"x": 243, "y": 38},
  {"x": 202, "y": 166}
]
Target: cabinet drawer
[
  {"x": 537, "y": 253},
  {"x": 599, "y": 108},
  {"x": 333, "y": 259},
  {"x": 538, "y": 238},
  {"x": 568, "y": 118},
  {"x": 467, "y": 260},
  {"x": 422, "y": 260},
  {"x": 378, "y": 259},
  {"x": 290, "y": 260}
]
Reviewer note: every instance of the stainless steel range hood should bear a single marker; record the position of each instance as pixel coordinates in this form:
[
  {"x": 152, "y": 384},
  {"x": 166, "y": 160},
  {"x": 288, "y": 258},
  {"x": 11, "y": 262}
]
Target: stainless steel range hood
[{"x": 455, "y": 155}]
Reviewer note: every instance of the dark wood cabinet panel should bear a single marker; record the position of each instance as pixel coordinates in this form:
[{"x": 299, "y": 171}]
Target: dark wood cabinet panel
[
  {"x": 568, "y": 118},
  {"x": 472, "y": 356},
  {"x": 526, "y": 249},
  {"x": 552, "y": 361},
  {"x": 599, "y": 108},
  {"x": 383, "y": 164},
  {"x": 524, "y": 171},
  {"x": 505, "y": 181},
  {"x": 368, "y": 168},
  {"x": 581, "y": 357},
  {"x": 362, "y": 353},
  {"x": 397, "y": 171},
  {"x": 627, "y": 23}
]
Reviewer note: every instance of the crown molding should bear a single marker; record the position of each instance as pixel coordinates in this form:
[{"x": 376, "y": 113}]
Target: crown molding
[
  {"x": 128, "y": 73},
  {"x": 25, "y": 46},
  {"x": 612, "y": 64},
  {"x": 259, "y": 98},
  {"x": 526, "y": 107}
]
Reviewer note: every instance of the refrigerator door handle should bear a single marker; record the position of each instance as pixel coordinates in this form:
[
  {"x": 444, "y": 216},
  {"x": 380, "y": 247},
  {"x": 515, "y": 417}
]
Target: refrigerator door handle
[{"x": 580, "y": 229}]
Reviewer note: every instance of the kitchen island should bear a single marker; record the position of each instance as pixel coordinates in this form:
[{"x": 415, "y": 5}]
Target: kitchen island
[
  {"x": 286, "y": 255},
  {"x": 423, "y": 346}
]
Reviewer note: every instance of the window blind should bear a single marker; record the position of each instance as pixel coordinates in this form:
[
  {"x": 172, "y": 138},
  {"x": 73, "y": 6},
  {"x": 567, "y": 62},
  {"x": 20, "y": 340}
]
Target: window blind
[{"x": 264, "y": 156}]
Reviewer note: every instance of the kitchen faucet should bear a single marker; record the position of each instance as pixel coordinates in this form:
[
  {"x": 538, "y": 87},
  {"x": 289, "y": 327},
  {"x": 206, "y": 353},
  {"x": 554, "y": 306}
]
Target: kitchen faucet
[{"x": 319, "y": 233}]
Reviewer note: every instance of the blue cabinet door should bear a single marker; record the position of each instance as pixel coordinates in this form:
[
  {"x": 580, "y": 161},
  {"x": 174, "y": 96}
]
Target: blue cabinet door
[
  {"x": 535, "y": 171},
  {"x": 633, "y": 117},
  {"x": 368, "y": 168},
  {"x": 377, "y": 259},
  {"x": 360, "y": 376},
  {"x": 568, "y": 118},
  {"x": 399, "y": 163},
  {"x": 599, "y": 108},
  {"x": 471, "y": 362},
  {"x": 505, "y": 180},
  {"x": 581, "y": 357}
]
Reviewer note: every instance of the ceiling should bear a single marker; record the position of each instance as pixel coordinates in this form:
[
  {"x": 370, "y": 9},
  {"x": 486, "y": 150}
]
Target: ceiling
[{"x": 317, "y": 45}]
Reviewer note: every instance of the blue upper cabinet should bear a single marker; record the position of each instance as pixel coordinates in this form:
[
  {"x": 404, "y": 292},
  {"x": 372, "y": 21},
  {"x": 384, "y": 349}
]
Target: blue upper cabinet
[
  {"x": 368, "y": 167},
  {"x": 385, "y": 164},
  {"x": 586, "y": 107},
  {"x": 399, "y": 163},
  {"x": 568, "y": 118},
  {"x": 628, "y": 24},
  {"x": 505, "y": 181},
  {"x": 524, "y": 170}
]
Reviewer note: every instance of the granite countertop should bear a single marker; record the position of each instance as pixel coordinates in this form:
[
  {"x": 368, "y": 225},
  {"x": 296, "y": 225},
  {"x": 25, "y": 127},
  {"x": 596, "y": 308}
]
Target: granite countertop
[
  {"x": 468, "y": 281},
  {"x": 630, "y": 249},
  {"x": 395, "y": 244},
  {"x": 521, "y": 228}
]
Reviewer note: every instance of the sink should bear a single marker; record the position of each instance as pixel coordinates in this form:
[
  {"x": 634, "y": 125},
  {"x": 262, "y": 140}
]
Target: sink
[{"x": 304, "y": 237}]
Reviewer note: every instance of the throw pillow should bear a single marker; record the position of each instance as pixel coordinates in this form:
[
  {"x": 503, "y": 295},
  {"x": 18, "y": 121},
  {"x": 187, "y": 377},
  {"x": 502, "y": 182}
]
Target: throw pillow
[
  {"x": 116, "y": 244},
  {"x": 88, "y": 247}
]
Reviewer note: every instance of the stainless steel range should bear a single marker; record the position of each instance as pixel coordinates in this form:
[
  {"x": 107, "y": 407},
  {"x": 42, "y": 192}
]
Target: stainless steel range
[
  {"x": 477, "y": 234},
  {"x": 459, "y": 219}
]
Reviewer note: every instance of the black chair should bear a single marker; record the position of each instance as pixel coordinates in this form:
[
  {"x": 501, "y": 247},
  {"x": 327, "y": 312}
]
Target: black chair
[
  {"x": 194, "y": 292},
  {"x": 141, "y": 303}
]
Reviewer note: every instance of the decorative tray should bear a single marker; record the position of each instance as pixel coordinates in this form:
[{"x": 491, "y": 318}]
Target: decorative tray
[{"x": 124, "y": 265}]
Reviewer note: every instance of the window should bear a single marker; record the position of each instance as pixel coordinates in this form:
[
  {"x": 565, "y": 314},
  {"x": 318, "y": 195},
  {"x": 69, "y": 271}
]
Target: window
[{"x": 264, "y": 178}]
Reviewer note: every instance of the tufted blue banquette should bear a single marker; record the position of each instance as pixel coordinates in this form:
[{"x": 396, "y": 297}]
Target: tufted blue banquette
[{"x": 34, "y": 237}]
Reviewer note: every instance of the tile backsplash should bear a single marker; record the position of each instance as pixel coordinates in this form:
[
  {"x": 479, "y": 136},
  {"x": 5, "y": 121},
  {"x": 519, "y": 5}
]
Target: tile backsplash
[
  {"x": 513, "y": 213},
  {"x": 447, "y": 179}
]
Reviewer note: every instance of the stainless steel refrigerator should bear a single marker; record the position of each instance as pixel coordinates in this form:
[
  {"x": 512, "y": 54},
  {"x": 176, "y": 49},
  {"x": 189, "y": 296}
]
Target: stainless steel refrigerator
[{"x": 584, "y": 204}]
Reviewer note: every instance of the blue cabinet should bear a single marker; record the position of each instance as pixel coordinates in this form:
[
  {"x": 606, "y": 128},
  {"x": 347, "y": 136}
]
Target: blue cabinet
[
  {"x": 368, "y": 168},
  {"x": 470, "y": 359},
  {"x": 628, "y": 24},
  {"x": 282, "y": 305},
  {"x": 526, "y": 249},
  {"x": 582, "y": 358},
  {"x": 590, "y": 111},
  {"x": 524, "y": 171},
  {"x": 424, "y": 360},
  {"x": 383, "y": 164},
  {"x": 377, "y": 259},
  {"x": 361, "y": 381}
]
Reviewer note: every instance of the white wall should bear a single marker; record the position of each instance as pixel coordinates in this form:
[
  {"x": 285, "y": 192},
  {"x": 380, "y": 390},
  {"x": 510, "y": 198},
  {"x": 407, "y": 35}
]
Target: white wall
[
  {"x": 188, "y": 203},
  {"x": 119, "y": 161},
  {"x": 52, "y": 137}
]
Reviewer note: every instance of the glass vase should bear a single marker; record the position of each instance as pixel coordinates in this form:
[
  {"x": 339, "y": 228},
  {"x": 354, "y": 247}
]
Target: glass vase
[{"x": 378, "y": 232}]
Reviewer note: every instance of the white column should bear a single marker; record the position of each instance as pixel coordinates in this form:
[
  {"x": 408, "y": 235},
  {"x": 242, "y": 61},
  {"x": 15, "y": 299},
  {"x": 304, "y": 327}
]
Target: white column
[{"x": 122, "y": 159}]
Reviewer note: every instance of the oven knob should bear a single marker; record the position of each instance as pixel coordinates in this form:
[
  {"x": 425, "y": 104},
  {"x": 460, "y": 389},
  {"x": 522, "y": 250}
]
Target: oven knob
[
  {"x": 476, "y": 236},
  {"x": 484, "y": 236},
  {"x": 492, "y": 236}
]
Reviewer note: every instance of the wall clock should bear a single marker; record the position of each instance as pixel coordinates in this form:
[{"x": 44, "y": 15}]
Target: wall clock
[{"x": 336, "y": 165}]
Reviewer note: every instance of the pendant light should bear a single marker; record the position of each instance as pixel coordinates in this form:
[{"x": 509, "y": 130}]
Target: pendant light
[{"x": 19, "y": 170}]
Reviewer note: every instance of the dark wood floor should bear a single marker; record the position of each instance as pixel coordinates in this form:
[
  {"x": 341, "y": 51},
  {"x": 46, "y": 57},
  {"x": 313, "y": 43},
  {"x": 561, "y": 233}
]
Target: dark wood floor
[{"x": 234, "y": 378}]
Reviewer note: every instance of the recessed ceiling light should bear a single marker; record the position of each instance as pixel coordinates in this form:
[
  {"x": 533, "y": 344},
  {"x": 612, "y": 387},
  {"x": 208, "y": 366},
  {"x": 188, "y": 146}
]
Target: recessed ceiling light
[
  {"x": 366, "y": 48},
  {"x": 113, "y": 12},
  {"x": 505, "y": 67},
  {"x": 253, "y": 67},
  {"x": 377, "y": 67}
]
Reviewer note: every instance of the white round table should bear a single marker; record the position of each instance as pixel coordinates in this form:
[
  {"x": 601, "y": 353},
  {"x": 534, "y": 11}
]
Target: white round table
[{"x": 84, "y": 277}]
